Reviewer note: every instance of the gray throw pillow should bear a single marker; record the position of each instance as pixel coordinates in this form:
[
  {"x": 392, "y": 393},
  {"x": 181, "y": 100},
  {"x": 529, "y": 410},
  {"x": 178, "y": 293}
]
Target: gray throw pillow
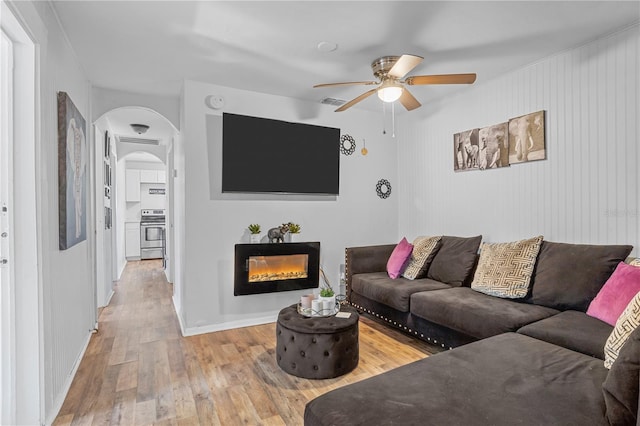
[
  {"x": 569, "y": 276},
  {"x": 455, "y": 260}
]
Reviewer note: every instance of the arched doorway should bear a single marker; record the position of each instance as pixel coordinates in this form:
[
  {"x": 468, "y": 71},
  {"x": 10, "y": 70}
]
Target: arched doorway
[{"x": 122, "y": 151}]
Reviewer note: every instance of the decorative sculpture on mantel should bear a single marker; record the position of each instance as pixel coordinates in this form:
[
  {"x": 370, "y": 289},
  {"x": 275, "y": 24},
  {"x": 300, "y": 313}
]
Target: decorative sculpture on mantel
[{"x": 276, "y": 235}]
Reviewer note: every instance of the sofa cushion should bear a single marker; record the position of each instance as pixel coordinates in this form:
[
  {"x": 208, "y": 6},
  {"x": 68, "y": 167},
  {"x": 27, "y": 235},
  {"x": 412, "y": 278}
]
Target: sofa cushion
[
  {"x": 455, "y": 260},
  {"x": 616, "y": 293},
  {"x": 475, "y": 314},
  {"x": 568, "y": 276},
  {"x": 572, "y": 330},
  {"x": 396, "y": 293},
  {"x": 620, "y": 388},
  {"x": 626, "y": 324},
  {"x": 508, "y": 379},
  {"x": 504, "y": 269},
  {"x": 424, "y": 250},
  {"x": 399, "y": 258}
]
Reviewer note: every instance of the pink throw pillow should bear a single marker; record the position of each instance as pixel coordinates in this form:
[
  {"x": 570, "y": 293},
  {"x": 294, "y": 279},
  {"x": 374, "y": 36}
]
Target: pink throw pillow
[
  {"x": 616, "y": 294},
  {"x": 399, "y": 259}
]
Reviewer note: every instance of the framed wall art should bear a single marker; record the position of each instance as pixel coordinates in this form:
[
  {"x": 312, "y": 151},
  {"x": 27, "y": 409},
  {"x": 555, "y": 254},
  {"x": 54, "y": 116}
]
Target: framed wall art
[
  {"x": 526, "y": 138},
  {"x": 465, "y": 150},
  {"x": 493, "y": 146},
  {"x": 72, "y": 174},
  {"x": 520, "y": 140}
]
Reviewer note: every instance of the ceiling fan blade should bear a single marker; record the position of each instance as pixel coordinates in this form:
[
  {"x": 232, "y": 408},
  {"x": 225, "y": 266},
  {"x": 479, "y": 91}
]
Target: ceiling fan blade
[
  {"x": 354, "y": 101},
  {"x": 346, "y": 83},
  {"x": 408, "y": 100},
  {"x": 403, "y": 65},
  {"x": 441, "y": 79}
]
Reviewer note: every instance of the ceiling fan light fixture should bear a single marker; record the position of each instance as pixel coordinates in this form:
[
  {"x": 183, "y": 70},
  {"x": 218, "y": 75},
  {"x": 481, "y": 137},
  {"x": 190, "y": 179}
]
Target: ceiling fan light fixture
[{"x": 389, "y": 92}]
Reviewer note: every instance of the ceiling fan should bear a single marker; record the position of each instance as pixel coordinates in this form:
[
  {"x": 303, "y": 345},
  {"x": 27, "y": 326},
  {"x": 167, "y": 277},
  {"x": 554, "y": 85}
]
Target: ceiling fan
[{"x": 390, "y": 71}]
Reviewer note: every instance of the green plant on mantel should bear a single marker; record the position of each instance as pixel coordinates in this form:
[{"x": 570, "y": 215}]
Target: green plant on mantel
[
  {"x": 294, "y": 228},
  {"x": 254, "y": 228}
]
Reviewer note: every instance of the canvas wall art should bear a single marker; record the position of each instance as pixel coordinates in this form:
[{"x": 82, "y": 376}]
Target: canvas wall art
[
  {"x": 520, "y": 140},
  {"x": 493, "y": 143},
  {"x": 526, "y": 138},
  {"x": 72, "y": 174},
  {"x": 466, "y": 150}
]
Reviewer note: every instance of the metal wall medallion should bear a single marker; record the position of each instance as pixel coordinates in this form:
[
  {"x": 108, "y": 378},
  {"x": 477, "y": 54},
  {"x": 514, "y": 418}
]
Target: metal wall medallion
[
  {"x": 383, "y": 188},
  {"x": 347, "y": 144}
]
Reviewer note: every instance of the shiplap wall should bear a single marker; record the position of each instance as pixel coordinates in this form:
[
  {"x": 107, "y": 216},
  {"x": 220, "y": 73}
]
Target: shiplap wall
[{"x": 587, "y": 189}]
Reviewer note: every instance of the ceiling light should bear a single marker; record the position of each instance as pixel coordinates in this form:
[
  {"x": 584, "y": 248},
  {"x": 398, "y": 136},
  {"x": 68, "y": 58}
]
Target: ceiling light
[
  {"x": 389, "y": 92},
  {"x": 139, "y": 128}
]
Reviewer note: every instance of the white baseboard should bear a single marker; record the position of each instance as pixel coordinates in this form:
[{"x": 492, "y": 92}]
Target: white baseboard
[
  {"x": 192, "y": 331},
  {"x": 109, "y": 298},
  {"x": 59, "y": 400},
  {"x": 175, "y": 308}
]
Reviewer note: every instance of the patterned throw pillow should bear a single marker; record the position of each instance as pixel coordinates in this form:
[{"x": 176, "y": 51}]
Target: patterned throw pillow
[
  {"x": 423, "y": 250},
  {"x": 635, "y": 262},
  {"x": 505, "y": 269},
  {"x": 628, "y": 321}
]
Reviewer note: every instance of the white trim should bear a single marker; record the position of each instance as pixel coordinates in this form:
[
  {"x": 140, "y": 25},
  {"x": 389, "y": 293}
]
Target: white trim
[
  {"x": 192, "y": 331},
  {"x": 109, "y": 298},
  {"x": 7, "y": 279},
  {"x": 29, "y": 353},
  {"x": 57, "y": 404},
  {"x": 177, "y": 311}
]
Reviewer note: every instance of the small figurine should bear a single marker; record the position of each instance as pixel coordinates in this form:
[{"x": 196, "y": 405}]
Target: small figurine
[{"x": 276, "y": 235}]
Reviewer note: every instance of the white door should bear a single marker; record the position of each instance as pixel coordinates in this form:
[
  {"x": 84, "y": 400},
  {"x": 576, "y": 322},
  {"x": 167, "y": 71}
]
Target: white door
[{"x": 7, "y": 305}]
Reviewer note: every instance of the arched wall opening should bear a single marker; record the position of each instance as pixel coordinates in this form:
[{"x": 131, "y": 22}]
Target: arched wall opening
[{"x": 129, "y": 167}]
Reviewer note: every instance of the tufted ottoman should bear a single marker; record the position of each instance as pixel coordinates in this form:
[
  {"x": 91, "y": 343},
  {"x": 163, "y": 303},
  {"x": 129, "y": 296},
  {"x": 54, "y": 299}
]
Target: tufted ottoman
[{"x": 317, "y": 348}]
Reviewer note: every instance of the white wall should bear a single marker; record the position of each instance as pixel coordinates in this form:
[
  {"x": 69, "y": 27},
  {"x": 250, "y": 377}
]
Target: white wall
[
  {"x": 67, "y": 291},
  {"x": 105, "y": 100},
  {"x": 357, "y": 217},
  {"x": 587, "y": 189}
]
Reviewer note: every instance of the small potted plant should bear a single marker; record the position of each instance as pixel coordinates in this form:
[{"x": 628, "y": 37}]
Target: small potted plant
[
  {"x": 254, "y": 230},
  {"x": 327, "y": 296},
  {"x": 294, "y": 231}
]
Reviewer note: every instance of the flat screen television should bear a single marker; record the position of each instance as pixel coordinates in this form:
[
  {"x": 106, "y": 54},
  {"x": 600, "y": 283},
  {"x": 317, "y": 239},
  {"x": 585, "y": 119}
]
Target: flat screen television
[{"x": 261, "y": 155}]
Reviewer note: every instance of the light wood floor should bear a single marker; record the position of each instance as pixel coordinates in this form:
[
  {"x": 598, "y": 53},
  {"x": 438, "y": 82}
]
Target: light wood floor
[{"x": 139, "y": 370}]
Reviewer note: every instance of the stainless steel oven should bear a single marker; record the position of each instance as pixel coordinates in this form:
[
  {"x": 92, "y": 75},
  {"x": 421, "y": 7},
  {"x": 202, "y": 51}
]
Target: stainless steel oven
[{"x": 152, "y": 228}]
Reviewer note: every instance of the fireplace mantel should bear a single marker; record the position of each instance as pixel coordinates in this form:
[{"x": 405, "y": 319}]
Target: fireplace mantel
[{"x": 259, "y": 268}]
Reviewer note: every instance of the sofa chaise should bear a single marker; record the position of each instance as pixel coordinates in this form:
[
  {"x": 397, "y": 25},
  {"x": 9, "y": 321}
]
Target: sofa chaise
[{"x": 536, "y": 359}]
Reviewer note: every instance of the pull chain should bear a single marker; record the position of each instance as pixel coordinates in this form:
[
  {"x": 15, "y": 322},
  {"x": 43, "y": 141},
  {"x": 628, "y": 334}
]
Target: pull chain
[
  {"x": 384, "y": 118},
  {"x": 393, "y": 119}
]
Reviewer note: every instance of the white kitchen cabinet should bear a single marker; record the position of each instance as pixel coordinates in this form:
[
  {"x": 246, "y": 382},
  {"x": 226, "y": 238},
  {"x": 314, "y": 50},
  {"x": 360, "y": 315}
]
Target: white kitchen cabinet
[
  {"x": 132, "y": 185},
  {"x": 148, "y": 176},
  {"x": 132, "y": 240},
  {"x": 152, "y": 176}
]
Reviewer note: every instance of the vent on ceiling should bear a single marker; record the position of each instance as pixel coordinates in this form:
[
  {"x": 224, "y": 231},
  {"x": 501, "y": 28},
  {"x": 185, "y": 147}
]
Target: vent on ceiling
[
  {"x": 127, "y": 139},
  {"x": 332, "y": 101}
]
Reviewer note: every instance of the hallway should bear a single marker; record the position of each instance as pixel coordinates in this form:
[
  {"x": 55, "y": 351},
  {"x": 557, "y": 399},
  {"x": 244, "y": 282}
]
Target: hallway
[{"x": 139, "y": 370}]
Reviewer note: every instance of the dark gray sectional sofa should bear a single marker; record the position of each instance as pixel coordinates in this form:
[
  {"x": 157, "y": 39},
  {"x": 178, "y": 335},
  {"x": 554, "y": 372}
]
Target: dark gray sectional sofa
[{"x": 536, "y": 360}]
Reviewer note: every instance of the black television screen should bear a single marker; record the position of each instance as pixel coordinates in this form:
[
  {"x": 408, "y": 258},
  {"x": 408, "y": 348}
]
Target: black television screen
[{"x": 261, "y": 155}]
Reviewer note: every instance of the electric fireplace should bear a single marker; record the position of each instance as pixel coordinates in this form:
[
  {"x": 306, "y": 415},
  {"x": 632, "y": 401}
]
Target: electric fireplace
[{"x": 267, "y": 268}]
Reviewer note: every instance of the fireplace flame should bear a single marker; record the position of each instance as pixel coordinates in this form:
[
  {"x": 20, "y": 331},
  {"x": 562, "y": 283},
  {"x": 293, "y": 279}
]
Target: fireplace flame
[{"x": 277, "y": 268}]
